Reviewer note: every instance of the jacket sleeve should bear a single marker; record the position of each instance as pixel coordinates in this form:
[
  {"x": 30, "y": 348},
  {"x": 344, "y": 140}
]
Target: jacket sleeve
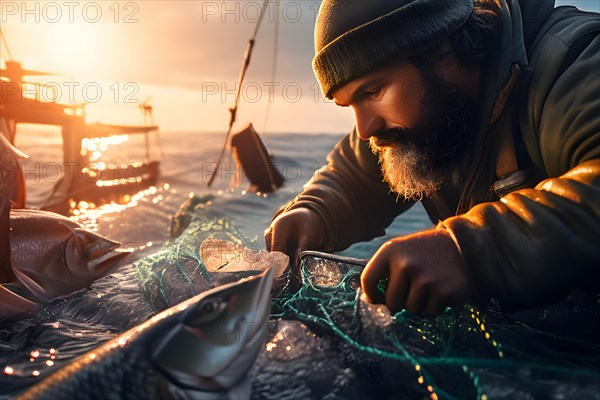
[
  {"x": 537, "y": 245},
  {"x": 349, "y": 195}
]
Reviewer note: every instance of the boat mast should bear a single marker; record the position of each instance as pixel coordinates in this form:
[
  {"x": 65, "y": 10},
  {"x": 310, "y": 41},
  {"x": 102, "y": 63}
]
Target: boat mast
[{"x": 233, "y": 110}]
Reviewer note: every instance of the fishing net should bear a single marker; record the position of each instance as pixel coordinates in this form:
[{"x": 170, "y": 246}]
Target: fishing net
[
  {"x": 324, "y": 340},
  {"x": 464, "y": 353}
]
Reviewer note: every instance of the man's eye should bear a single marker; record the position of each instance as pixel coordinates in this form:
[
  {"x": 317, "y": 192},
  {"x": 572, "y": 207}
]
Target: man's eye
[{"x": 373, "y": 92}]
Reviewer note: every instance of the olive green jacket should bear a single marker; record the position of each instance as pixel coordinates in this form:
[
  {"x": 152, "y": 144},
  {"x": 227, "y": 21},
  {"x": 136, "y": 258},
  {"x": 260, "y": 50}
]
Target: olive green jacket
[{"x": 535, "y": 236}]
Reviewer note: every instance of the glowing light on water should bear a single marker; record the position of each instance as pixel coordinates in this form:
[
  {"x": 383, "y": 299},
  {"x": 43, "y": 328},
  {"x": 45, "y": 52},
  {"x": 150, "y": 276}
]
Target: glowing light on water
[
  {"x": 88, "y": 214},
  {"x": 35, "y": 354},
  {"x": 35, "y": 373},
  {"x": 9, "y": 370},
  {"x": 49, "y": 363},
  {"x": 97, "y": 146}
]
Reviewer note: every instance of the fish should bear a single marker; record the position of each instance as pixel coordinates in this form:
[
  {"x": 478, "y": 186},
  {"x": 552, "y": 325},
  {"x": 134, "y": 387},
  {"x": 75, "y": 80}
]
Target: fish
[
  {"x": 202, "y": 348},
  {"x": 43, "y": 255},
  {"x": 51, "y": 256}
]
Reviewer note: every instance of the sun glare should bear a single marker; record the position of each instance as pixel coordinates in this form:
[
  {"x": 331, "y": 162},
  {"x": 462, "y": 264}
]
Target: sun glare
[
  {"x": 75, "y": 49},
  {"x": 52, "y": 40}
]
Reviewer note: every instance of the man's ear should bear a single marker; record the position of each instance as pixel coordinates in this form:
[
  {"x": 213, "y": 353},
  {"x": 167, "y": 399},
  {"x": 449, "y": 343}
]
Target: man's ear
[
  {"x": 448, "y": 65},
  {"x": 450, "y": 69}
]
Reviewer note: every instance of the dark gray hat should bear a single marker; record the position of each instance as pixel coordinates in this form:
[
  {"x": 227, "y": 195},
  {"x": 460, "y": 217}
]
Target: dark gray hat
[{"x": 354, "y": 36}]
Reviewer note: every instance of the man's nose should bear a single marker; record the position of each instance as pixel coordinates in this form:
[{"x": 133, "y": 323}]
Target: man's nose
[{"x": 367, "y": 123}]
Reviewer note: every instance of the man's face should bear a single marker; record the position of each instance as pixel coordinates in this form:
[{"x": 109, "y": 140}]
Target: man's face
[{"x": 415, "y": 122}]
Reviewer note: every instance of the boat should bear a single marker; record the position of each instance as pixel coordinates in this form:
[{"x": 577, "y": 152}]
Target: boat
[
  {"x": 90, "y": 179},
  {"x": 246, "y": 146}
]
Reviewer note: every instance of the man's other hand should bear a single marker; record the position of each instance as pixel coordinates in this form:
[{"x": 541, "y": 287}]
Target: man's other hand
[
  {"x": 424, "y": 273},
  {"x": 295, "y": 231}
]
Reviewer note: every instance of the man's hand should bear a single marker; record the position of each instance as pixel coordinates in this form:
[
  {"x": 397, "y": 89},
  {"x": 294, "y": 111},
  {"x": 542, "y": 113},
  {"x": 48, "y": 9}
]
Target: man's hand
[
  {"x": 295, "y": 231},
  {"x": 424, "y": 272}
]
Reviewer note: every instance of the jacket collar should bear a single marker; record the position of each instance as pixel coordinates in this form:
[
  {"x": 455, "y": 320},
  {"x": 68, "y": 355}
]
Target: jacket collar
[
  {"x": 535, "y": 13},
  {"x": 510, "y": 49}
]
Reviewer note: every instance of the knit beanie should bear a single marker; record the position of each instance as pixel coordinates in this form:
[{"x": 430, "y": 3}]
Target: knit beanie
[{"x": 353, "y": 37}]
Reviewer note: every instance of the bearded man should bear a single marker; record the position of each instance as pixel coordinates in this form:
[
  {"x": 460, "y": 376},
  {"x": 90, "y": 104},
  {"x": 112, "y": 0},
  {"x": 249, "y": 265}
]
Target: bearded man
[{"x": 486, "y": 111}]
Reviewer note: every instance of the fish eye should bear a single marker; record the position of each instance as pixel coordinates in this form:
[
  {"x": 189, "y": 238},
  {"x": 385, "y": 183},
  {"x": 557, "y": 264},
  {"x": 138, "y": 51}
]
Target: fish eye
[{"x": 206, "y": 312}]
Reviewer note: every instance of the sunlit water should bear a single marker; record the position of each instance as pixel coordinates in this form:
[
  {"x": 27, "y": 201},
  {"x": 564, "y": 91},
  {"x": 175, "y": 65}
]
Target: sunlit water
[{"x": 188, "y": 159}]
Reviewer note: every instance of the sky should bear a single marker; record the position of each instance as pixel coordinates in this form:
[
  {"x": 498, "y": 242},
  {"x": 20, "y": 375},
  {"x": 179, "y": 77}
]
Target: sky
[{"x": 184, "y": 55}]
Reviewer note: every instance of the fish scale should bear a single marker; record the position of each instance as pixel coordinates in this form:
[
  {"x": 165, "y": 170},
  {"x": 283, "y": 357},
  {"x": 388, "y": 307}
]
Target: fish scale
[{"x": 121, "y": 374}]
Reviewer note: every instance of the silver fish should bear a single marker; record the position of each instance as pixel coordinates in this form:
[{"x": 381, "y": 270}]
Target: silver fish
[
  {"x": 52, "y": 256},
  {"x": 202, "y": 348}
]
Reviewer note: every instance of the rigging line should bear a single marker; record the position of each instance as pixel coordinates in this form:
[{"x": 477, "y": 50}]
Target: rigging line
[
  {"x": 260, "y": 18},
  {"x": 233, "y": 110},
  {"x": 6, "y": 44},
  {"x": 274, "y": 67}
]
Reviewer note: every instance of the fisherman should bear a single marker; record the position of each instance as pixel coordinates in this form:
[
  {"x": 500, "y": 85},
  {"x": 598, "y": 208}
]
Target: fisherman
[{"x": 486, "y": 111}]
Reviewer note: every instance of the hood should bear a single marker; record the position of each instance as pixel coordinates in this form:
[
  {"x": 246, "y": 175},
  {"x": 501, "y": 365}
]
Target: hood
[
  {"x": 535, "y": 13},
  {"x": 495, "y": 86},
  {"x": 521, "y": 21},
  {"x": 494, "y": 72}
]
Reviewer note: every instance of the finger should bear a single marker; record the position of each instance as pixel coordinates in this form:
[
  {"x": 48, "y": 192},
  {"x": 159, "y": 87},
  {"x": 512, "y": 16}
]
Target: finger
[
  {"x": 375, "y": 271},
  {"x": 268, "y": 236},
  {"x": 304, "y": 243},
  {"x": 439, "y": 301},
  {"x": 436, "y": 304},
  {"x": 279, "y": 240},
  {"x": 416, "y": 302},
  {"x": 397, "y": 290}
]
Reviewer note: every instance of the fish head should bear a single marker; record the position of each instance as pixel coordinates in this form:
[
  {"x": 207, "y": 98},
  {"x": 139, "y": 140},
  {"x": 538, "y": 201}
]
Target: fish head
[
  {"x": 52, "y": 256},
  {"x": 218, "y": 338}
]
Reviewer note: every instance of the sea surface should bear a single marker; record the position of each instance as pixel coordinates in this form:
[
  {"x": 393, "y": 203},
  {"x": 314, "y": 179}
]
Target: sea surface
[
  {"x": 187, "y": 160},
  {"x": 34, "y": 347},
  {"x": 464, "y": 353}
]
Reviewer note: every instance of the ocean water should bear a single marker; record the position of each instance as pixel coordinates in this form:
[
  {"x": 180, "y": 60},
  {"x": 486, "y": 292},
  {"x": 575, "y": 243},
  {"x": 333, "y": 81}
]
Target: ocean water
[
  {"x": 75, "y": 324},
  {"x": 187, "y": 159},
  {"x": 325, "y": 342}
]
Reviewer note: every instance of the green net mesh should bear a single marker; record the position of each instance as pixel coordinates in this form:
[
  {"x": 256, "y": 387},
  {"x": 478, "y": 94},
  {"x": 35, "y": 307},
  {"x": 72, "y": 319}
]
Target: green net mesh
[
  {"x": 326, "y": 342},
  {"x": 176, "y": 272}
]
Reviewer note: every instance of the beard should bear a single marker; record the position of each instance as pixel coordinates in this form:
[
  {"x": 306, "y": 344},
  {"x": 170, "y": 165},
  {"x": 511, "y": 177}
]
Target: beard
[{"x": 418, "y": 161}]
